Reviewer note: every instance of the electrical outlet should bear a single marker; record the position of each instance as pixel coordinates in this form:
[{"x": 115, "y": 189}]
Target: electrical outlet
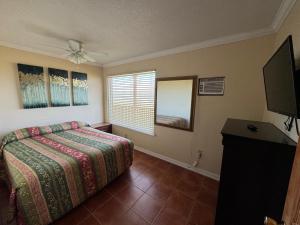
[
  {"x": 198, "y": 157},
  {"x": 200, "y": 153}
]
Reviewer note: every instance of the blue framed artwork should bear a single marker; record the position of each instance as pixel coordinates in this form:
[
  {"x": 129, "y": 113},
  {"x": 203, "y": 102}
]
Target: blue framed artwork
[
  {"x": 59, "y": 87},
  {"x": 80, "y": 88},
  {"x": 32, "y": 84}
]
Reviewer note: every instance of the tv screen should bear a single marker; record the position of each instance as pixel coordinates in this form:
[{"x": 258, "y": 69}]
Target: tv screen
[{"x": 279, "y": 77}]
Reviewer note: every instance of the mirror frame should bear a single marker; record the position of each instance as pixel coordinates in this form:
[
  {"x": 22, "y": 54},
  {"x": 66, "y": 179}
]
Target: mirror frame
[{"x": 193, "y": 101}]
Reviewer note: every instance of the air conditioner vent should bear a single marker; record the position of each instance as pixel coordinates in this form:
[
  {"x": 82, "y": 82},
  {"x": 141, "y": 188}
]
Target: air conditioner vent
[{"x": 211, "y": 86}]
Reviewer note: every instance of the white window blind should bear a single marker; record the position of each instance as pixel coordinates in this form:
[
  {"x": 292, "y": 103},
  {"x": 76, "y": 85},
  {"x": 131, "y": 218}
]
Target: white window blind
[{"x": 131, "y": 101}]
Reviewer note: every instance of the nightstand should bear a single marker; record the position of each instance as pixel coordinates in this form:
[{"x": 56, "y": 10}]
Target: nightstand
[{"x": 106, "y": 127}]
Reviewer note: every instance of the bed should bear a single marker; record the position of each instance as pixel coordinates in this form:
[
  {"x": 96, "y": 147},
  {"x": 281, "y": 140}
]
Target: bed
[
  {"x": 52, "y": 169},
  {"x": 173, "y": 121}
]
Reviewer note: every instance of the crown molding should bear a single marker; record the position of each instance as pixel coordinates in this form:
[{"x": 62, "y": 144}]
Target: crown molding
[
  {"x": 32, "y": 50},
  {"x": 196, "y": 46},
  {"x": 282, "y": 13}
]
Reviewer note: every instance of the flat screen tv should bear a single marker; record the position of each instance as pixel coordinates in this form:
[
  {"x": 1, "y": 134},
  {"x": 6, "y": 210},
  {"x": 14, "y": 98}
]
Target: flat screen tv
[{"x": 282, "y": 90}]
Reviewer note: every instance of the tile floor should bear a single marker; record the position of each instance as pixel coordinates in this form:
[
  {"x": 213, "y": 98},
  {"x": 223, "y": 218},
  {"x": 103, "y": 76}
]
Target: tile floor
[{"x": 152, "y": 192}]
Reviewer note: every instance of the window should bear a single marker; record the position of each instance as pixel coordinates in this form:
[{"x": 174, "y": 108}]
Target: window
[{"x": 131, "y": 101}]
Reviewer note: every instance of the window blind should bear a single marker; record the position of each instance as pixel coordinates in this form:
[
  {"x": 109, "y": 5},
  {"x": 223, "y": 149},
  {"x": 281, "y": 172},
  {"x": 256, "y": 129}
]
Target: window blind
[{"x": 131, "y": 101}]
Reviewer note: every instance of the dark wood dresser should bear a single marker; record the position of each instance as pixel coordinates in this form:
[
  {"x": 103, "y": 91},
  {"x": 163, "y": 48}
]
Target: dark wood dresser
[
  {"x": 256, "y": 169},
  {"x": 106, "y": 127}
]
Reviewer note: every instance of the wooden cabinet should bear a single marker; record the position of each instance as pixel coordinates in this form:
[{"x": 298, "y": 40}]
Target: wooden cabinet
[
  {"x": 106, "y": 127},
  {"x": 255, "y": 173}
]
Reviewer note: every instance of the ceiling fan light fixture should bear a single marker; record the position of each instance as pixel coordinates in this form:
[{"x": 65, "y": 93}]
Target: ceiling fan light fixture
[
  {"x": 74, "y": 45},
  {"x": 76, "y": 54}
]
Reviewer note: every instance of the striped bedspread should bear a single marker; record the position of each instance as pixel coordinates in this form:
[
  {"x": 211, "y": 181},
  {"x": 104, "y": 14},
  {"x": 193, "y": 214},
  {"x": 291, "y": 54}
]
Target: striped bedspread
[{"x": 53, "y": 169}]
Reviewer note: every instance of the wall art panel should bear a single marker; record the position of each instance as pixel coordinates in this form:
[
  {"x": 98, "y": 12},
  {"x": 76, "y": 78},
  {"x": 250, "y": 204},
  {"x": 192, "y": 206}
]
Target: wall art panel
[
  {"x": 32, "y": 84},
  {"x": 59, "y": 87},
  {"x": 80, "y": 88}
]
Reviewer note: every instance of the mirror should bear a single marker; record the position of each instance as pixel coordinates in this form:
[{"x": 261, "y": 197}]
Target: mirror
[{"x": 175, "y": 102}]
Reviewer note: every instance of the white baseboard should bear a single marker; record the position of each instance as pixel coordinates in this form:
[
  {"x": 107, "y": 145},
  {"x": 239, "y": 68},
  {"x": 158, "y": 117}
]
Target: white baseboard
[{"x": 178, "y": 163}]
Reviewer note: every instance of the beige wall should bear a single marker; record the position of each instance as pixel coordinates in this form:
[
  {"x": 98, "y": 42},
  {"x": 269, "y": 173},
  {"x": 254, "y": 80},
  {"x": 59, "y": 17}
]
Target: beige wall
[
  {"x": 290, "y": 26},
  {"x": 12, "y": 116},
  {"x": 244, "y": 97}
]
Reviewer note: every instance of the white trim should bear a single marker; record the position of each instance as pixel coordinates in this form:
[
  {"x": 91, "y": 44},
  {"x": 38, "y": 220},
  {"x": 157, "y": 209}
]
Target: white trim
[
  {"x": 280, "y": 16},
  {"x": 283, "y": 11},
  {"x": 196, "y": 46},
  {"x": 178, "y": 163}
]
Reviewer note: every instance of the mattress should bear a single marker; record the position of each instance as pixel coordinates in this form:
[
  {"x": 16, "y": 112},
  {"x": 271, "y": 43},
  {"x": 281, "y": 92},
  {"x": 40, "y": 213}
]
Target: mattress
[{"x": 53, "y": 169}]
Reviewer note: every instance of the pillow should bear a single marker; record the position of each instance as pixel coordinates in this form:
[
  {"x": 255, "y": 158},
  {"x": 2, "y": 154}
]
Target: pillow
[{"x": 36, "y": 131}]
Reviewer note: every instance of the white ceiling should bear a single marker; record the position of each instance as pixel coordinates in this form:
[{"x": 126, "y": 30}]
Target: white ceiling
[{"x": 128, "y": 28}]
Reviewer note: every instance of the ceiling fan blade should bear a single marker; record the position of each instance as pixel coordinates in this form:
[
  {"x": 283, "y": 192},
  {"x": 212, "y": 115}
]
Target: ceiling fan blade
[
  {"x": 72, "y": 59},
  {"x": 76, "y": 58},
  {"x": 99, "y": 53},
  {"x": 88, "y": 58},
  {"x": 79, "y": 57}
]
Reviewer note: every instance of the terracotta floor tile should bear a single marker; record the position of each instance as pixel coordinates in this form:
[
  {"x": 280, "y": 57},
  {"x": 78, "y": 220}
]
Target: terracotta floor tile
[
  {"x": 180, "y": 204},
  {"x": 141, "y": 166},
  {"x": 162, "y": 165},
  {"x": 148, "y": 207},
  {"x": 130, "y": 174},
  {"x": 160, "y": 191},
  {"x": 117, "y": 185},
  {"x": 211, "y": 184},
  {"x": 201, "y": 215},
  {"x": 192, "y": 178},
  {"x": 74, "y": 217},
  {"x": 109, "y": 211},
  {"x": 169, "y": 180},
  {"x": 129, "y": 218},
  {"x": 150, "y": 161},
  {"x": 153, "y": 173},
  {"x": 136, "y": 156},
  {"x": 143, "y": 182},
  {"x": 175, "y": 170},
  {"x": 90, "y": 220},
  {"x": 138, "y": 170},
  {"x": 169, "y": 218},
  {"x": 190, "y": 189},
  {"x": 129, "y": 195},
  {"x": 208, "y": 196},
  {"x": 135, "y": 172},
  {"x": 139, "y": 154},
  {"x": 98, "y": 200}
]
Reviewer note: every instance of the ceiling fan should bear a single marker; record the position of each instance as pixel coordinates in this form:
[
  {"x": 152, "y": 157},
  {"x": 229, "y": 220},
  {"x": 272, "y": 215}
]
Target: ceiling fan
[{"x": 76, "y": 53}]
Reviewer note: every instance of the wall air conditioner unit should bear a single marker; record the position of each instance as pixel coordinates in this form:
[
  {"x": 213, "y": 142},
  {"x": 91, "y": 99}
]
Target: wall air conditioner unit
[{"x": 211, "y": 86}]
